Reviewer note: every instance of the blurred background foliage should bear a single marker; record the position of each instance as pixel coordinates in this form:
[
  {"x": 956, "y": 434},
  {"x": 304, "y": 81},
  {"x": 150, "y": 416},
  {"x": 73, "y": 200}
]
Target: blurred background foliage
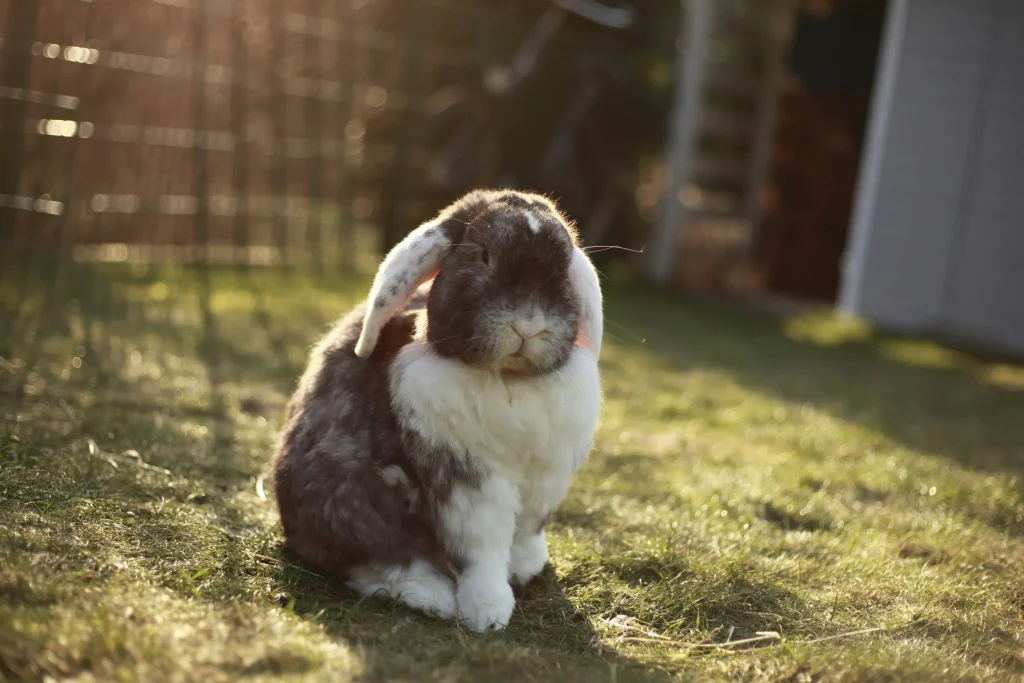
[{"x": 299, "y": 125}]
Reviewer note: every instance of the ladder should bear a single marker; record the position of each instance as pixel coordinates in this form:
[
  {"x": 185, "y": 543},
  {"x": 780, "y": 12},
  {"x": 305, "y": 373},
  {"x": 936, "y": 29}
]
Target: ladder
[{"x": 729, "y": 73}]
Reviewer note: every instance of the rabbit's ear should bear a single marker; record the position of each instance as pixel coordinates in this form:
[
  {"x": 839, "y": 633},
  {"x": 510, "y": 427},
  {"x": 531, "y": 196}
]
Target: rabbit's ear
[
  {"x": 583, "y": 277},
  {"x": 412, "y": 262}
]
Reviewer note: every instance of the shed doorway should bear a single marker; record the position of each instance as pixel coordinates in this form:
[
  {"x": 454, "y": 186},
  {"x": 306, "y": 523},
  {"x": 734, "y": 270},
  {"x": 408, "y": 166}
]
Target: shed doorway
[{"x": 823, "y": 113}]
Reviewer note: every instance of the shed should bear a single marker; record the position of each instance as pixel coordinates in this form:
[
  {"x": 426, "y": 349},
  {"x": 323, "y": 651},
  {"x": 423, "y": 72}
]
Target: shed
[
  {"x": 934, "y": 241},
  {"x": 937, "y": 234}
]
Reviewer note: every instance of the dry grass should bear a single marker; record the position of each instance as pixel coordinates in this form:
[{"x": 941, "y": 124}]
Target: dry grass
[{"x": 772, "y": 487}]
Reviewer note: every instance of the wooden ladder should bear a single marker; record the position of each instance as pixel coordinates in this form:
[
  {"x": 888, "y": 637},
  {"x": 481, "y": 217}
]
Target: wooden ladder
[{"x": 728, "y": 78}]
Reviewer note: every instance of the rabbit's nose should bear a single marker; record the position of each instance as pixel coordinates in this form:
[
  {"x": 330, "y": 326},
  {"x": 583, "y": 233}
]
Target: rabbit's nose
[{"x": 528, "y": 329}]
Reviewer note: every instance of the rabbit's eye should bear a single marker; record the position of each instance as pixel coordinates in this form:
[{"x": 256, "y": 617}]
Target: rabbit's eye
[{"x": 484, "y": 257}]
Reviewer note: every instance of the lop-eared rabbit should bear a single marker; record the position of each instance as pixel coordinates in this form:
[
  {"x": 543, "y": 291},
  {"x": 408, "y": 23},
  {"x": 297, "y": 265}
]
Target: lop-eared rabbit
[{"x": 440, "y": 422}]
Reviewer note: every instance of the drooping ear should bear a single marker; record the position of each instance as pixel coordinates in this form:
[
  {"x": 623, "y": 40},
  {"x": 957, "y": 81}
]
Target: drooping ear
[
  {"x": 583, "y": 277},
  {"x": 412, "y": 262}
]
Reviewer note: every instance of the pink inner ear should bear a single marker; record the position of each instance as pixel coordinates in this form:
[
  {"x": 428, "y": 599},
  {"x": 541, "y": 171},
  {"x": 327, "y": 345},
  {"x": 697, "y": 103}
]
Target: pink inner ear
[
  {"x": 377, "y": 317},
  {"x": 426, "y": 277},
  {"x": 581, "y": 340}
]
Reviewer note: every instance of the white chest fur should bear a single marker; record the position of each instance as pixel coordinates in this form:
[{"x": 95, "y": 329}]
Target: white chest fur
[{"x": 533, "y": 432}]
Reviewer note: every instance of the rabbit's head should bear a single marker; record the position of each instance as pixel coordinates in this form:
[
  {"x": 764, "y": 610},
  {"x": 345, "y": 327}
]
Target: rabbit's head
[{"x": 512, "y": 291}]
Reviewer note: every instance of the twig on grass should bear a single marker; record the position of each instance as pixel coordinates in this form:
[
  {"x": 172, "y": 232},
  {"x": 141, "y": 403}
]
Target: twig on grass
[
  {"x": 267, "y": 558},
  {"x": 622, "y": 622},
  {"x": 839, "y": 635},
  {"x": 762, "y": 636},
  {"x": 290, "y": 565},
  {"x": 130, "y": 455}
]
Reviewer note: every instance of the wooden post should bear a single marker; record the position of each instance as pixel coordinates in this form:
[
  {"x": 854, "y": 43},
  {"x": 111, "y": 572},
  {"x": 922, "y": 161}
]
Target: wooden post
[
  {"x": 400, "y": 183},
  {"x": 783, "y": 13},
  {"x": 697, "y": 24},
  {"x": 15, "y": 70}
]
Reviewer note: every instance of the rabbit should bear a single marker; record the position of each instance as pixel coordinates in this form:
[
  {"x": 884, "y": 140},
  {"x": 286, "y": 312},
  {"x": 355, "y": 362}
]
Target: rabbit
[{"x": 439, "y": 423}]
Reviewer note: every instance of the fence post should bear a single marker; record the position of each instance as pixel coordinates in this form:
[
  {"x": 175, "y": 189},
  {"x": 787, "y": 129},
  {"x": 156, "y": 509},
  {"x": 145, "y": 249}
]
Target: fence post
[
  {"x": 242, "y": 237},
  {"x": 279, "y": 187},
  {"x": 312, "y": 63},
  {"x": 348, "y": 77},
  {"x": 15, "y": 70},
  {"x": 697, "y": 23},
  {"x": 780, "y": 31},
  {"x": 397, "y": 186},
  {"x": 199, "y": 123}
]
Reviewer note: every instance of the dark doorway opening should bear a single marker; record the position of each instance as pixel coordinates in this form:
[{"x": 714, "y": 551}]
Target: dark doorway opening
[{"x": 823, "y": 113}]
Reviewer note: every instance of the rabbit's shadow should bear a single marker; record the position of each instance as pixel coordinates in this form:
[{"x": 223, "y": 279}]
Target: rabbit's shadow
[{"x": 546, "y": 626}]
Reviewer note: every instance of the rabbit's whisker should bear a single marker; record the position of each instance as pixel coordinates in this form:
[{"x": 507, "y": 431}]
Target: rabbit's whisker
[
  {"x": 444, "y": 339},
  {"x": 606, "y": 247},
  {"x": 635, "y": 336}
]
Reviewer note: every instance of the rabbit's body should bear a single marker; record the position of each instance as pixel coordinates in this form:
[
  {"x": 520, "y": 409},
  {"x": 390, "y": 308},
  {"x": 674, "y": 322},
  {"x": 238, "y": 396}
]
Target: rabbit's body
[
  {"x": 424, "y": 462},
  {"x": 531, "y": 433},
  {"x": 334, "y": 475}
]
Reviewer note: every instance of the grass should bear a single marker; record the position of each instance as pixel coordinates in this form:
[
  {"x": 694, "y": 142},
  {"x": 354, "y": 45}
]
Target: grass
[{"x": 804, "y": 476}]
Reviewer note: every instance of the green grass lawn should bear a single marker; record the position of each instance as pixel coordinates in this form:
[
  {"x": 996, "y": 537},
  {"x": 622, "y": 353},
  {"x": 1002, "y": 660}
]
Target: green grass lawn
[{"x": 804, "y": 478}]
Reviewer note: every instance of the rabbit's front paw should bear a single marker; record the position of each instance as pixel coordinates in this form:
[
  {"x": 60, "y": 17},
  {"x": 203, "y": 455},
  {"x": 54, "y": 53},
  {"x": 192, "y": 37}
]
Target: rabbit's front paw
[
  {"x": 485, "y": 602},
  {"x": 529, "y": 555}
]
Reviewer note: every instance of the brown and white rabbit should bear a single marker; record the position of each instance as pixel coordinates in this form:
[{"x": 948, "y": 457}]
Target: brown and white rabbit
[{"x": 424, "y": 450}]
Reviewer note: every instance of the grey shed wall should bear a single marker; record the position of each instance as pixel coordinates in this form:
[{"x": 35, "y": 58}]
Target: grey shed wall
[{"x": 937, "y": 239}]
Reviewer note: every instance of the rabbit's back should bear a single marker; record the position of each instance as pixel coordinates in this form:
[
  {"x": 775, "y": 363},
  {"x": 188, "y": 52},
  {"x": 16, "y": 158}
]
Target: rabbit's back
[{"x": 341, "y": 476}]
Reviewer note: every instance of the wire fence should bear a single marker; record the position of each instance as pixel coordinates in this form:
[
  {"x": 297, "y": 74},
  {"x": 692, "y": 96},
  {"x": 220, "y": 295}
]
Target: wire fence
[
  {"x": 222, "y": 130},
  {"x": 146, "y": 143},
  {"x": 149, "y": 149}
]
